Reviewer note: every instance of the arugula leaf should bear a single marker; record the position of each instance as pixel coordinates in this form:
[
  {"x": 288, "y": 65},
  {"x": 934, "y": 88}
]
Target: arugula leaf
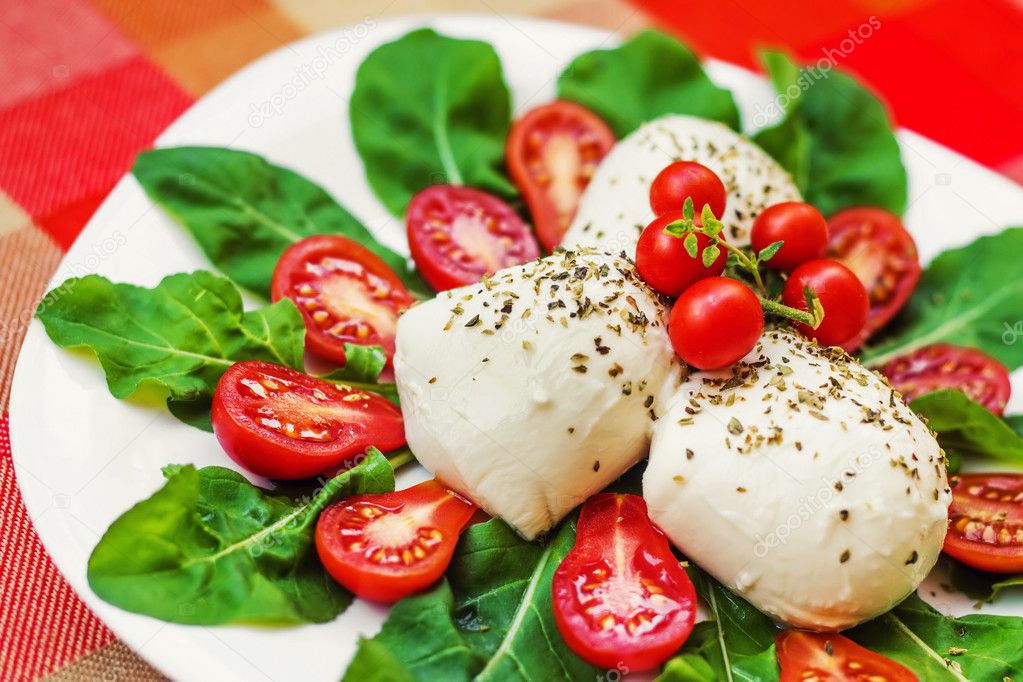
[
  {"x": 836, "y": 140},
  {"x": 1015, "y": 422},
  {"x": 210, "y": 548},
  {"x": 738, "y": 640},
  {"x": 430, "y": 109},
  {"x": 182, "y": 334},
  {"x": 687, "y": 668},
  {"x": 497, "y": 624},
  {"x": 649, "y": 75},
  {"x": 244, "y": 212},
  {"x": 970, "y": 296},
  {"x": 939, "y": 647},
  {"x": 195, "y": 413},
  {"x": 419, "y": 641},
  {"x": 363, "y": 365},
  {"x": 966, "y": 428},
  {"x": 975, "y": 583}
]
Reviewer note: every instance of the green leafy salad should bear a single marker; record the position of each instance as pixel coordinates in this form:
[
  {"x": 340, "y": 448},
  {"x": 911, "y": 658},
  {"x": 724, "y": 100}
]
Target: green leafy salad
[{"x": 725, "y": 248}]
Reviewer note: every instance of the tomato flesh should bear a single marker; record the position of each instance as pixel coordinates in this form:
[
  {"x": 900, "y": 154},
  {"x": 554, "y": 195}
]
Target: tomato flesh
[
  {"x": 986, "y": 522},
  {"x": 820, "y": 657},
  {"x": 387, "y": 546},
  {"x": 874, "y": 244},
  {"x": 345, "y": 292},
  {"x": 942, "y": 365},
  {"x": 553, "y": 151},
  {"x": 620, "y": 597},
  {"x": 458, "y": 234},
  {"x": 283, "y": 424}
]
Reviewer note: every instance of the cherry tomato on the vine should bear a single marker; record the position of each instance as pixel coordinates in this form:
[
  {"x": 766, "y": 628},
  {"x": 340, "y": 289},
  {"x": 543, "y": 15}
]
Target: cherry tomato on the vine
[
  {"x": 552, "y": 153},
  {"x": 620, "y": 596},
  {"x": 840, "y": 293},
  {"x": 283, "y": 424},
  {"x": 458, "y": 234},
  {"x": 663, "y": 262},
  {"x": 800, "y": 226},
  {"x": 682, "y": 179},
  {"x": 345, "y": 292},
  {"x": 830, "y": 657},
  {"x": 942, "y": 365},
  {"x": 985, "y": 527},
  {"x": 386, "y": 546},
  {"x": 715, "y": 322},
  {"x": 873, "y": 244}
]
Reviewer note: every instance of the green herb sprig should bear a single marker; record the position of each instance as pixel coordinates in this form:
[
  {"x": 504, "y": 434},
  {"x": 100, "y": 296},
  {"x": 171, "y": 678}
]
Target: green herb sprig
[{"x": 688, "y": 227}]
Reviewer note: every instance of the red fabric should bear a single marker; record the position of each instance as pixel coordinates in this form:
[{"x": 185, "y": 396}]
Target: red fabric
[
  {"x": 68, "y": 144},
  {"x": 43, "y": 625},
  {"x": 949, "y": 69}
]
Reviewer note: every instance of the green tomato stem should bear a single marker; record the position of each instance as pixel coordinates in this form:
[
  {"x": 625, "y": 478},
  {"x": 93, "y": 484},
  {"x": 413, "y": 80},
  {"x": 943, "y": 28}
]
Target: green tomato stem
[
  {"x": 782, "y": 310},
  {"x": 399, "y": 458},
  {"x": 745, "y": 262}
]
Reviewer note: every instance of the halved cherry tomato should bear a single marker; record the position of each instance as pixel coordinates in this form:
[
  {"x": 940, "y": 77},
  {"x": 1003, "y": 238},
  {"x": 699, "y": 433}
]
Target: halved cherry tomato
[
  {"x": 458, "y": 234},
  {"x": 820, "y": 657},
  {"x": 387, "y": 546},
  {"x": 986, "y": 522},
  {"x": 663, "y": 262},
  {"x": 345, "y": 292},
  {"x": 287, "y": 425},
  {"x": 552, "y": 152},
  {"x": 943, "y": 365},
  {"x": 873, "y": 244},
  {"x": 621, "y": 598}
]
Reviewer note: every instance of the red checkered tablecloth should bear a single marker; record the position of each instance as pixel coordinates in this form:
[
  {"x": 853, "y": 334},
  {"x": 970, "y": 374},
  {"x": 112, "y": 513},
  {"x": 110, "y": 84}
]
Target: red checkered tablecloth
[{"x": 85, "y": 84}]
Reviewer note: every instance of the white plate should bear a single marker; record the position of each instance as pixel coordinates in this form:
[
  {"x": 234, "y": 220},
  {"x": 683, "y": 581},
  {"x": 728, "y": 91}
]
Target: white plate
[{"x": 82, "y": 457}]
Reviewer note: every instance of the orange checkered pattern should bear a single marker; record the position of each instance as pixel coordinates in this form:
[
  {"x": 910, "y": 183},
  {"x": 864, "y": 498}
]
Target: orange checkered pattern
[{"x": 86, "y": 84}]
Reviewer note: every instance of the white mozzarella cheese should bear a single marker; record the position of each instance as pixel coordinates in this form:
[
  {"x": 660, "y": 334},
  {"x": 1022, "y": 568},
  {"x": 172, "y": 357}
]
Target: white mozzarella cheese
[
  {"x": 616, "y": 204},
  {"x": 801, "y": 481},
  {"x": 535, "y": 389}
]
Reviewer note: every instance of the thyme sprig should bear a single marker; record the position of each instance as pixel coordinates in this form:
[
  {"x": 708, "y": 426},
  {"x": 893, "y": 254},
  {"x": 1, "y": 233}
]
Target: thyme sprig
[{"x": 708, "y": 225}]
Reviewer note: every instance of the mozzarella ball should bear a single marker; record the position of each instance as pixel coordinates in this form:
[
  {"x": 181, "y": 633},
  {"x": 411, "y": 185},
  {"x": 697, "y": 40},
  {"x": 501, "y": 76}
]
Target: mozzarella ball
[
  {"x": 802, "y": 482},
  {"x": 536, "y": 388},
  {"x": 616, "y": 204}
]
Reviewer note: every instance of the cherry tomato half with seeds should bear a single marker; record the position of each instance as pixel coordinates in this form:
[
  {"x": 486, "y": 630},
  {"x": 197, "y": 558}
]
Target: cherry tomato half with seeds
[
  {"x": 345, "y": 292},
  {"x": 458, "y": 234},
  {"x": 942, "y": 365},
  {"x": 874, "y": 244},
  {"x": 687, "y": 179},
  {"x": 828, "y": 657},
  {"x": 387, "y": 546},
  {"x": 800, "y": 226},
  {"x": 985, "y": 527},
  {"x": 841, "y": 294},
  {"x": 553, "y": 151},
  {"x": 715, "y": 322},
  {"x": 283, "y": 424},
  {"x": 665, "y": 265},
  {"x": 620, "y": 597}
]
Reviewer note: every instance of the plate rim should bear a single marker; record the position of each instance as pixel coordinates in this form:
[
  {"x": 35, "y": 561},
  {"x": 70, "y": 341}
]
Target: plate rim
[{"x": 49, "y": 534}]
